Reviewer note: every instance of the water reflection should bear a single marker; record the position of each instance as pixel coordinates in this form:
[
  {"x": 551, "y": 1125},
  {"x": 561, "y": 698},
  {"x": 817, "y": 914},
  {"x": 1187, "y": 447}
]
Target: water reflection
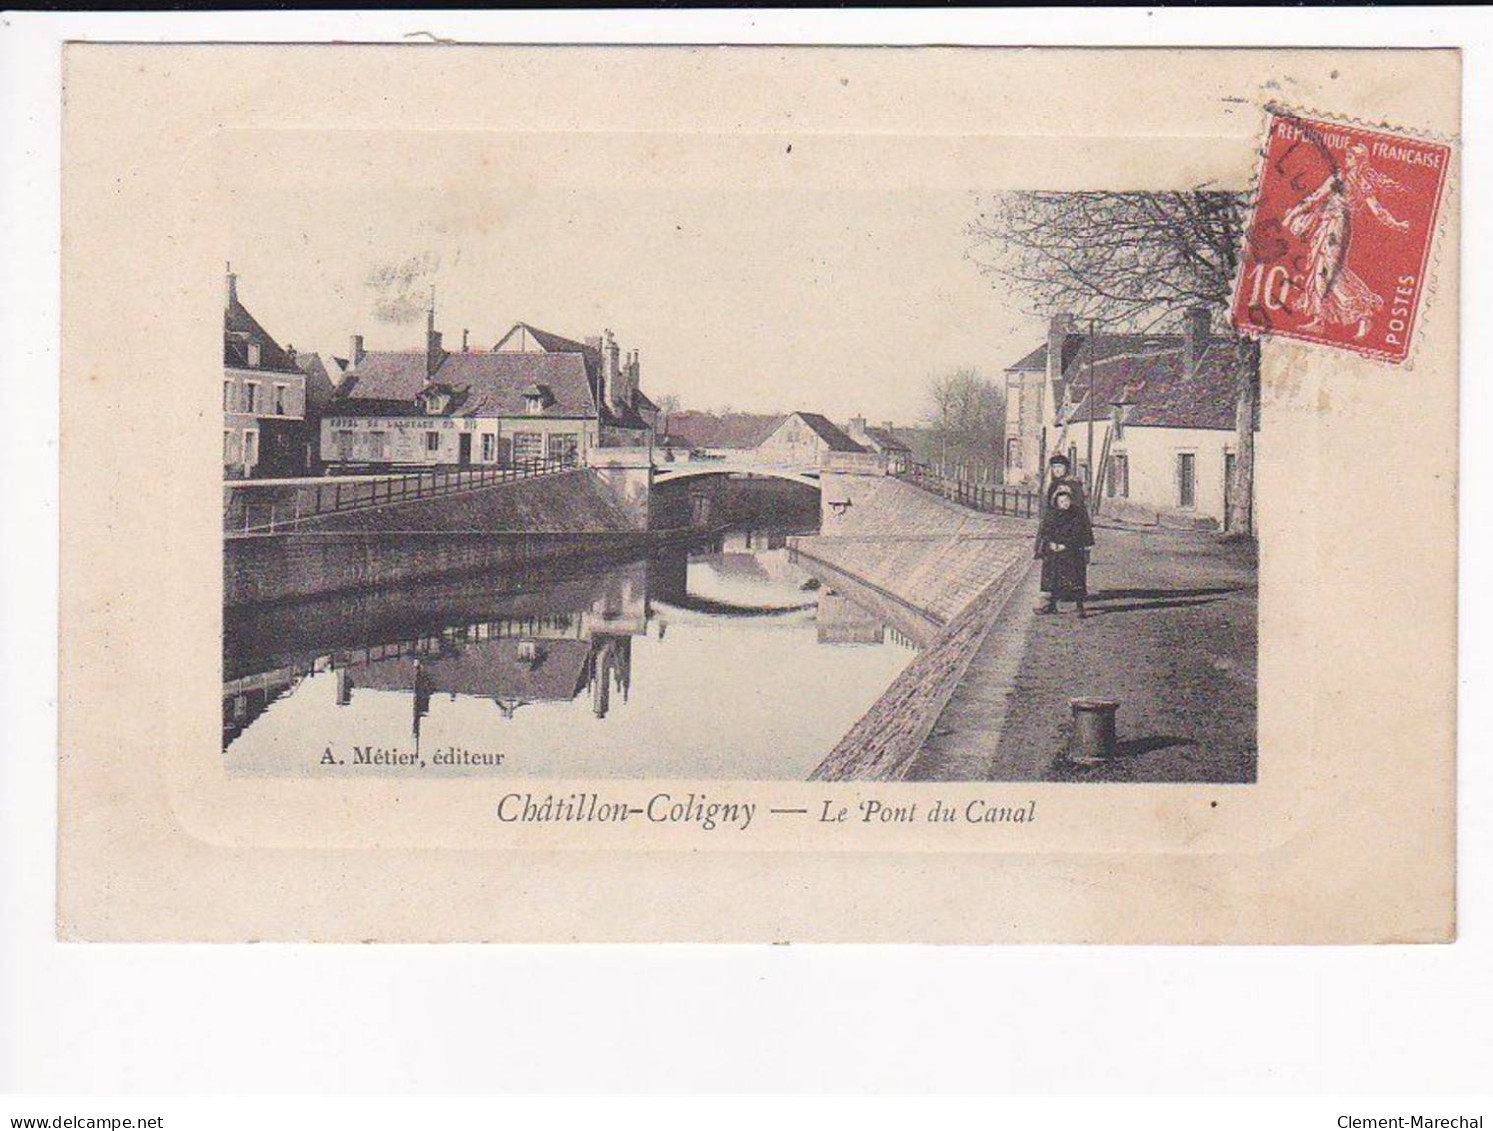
[{"x": 728, "y": 660}]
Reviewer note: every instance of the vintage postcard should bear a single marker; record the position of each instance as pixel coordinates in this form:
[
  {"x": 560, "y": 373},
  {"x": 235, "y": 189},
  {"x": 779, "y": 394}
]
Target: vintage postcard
[{"x": 758, "y": 494}]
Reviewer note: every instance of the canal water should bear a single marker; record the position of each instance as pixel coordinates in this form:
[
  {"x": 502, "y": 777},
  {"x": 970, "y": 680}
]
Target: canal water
[{"x": 726, "y": 660}]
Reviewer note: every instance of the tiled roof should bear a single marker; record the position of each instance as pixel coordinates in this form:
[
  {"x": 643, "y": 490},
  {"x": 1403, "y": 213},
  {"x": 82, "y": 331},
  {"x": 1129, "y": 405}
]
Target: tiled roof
[
  {"x": 741, "y": 430},
  {"x": 551, "y": 343},
  {"x": 628, "y": 417},
  {"x": 732, "y": 430},
  {"x": 833, "y": 437},
  {"x": 888, "y": 442},
  {"x": 558, "y": 343},
  {"x": 1075, "y": 349},
  {"x": 484, "y": 384},
  {"x": 1036, "y": 360},
  {"x": 1152, "y": 377},
  {"x": 321, "y": 378},
  {"x": 239, "y": 329}
]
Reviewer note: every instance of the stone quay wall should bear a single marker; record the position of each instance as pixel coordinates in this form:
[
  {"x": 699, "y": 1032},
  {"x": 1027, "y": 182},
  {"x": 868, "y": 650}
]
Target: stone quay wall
[
  {"x": 564, "y": 516},
  {"x": 958, "y": 567}
]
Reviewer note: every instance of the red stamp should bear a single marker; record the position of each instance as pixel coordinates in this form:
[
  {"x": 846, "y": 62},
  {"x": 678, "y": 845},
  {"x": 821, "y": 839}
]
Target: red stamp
[{"x": 1337, "y": 249}]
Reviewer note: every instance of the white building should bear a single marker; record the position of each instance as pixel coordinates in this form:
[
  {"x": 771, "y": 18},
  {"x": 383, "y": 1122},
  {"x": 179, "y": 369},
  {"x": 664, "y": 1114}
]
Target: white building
[
  {"x": 802, "y": 438},
  {"x": 264, "y": 397},
  {"x": 883, "y": 441},
  {"x": 1160, "y": 420},
  {"x": 535, "y": 396}
]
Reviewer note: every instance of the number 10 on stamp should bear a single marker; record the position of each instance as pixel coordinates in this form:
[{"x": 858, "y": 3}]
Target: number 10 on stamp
[{"x": 1339, "y": 243}]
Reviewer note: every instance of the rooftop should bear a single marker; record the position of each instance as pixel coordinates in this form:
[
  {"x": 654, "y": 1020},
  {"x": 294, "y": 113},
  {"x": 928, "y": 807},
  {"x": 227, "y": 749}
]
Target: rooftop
[
  {"x": 482, "y": 384},
  {"x": 239, "y": 329},
  {"x": 886, "y": 439},
  {"x": 832, "y": 435},
  {"x": 1154, "y": 381}
]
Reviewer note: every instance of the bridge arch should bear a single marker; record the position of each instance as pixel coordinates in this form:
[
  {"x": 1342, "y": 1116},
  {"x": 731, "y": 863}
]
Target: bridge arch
[{"x": 807, "y": 476}]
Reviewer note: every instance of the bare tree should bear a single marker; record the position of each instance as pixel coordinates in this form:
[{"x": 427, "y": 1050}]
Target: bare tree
[
  {"x": 1126, "y": 260},
  {"x": 967, "y": 418},
  {"x": 668, "y": 405}
]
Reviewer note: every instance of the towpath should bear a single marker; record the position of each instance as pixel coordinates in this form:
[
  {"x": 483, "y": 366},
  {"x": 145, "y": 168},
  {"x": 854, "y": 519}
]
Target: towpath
[{"x": 1171, "y": 634}]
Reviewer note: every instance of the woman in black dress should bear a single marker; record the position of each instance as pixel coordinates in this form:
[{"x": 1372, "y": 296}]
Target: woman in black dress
[{"x": 1064, "y": 539}]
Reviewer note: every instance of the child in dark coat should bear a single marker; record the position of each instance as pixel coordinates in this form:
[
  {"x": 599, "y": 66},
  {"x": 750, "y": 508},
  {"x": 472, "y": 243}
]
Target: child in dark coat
[{"x": 1063, "y": 541}]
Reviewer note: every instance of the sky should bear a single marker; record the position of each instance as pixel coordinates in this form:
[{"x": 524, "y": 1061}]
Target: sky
[{"x": 758, "y": 273}]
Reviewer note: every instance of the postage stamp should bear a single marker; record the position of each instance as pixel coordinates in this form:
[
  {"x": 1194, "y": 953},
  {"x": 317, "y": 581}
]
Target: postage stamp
[{"x": 1338, "y": 247}]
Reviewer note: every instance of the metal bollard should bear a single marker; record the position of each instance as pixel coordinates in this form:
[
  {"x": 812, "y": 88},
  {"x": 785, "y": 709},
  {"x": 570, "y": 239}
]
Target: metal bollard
[{"x": 1093, "y": 739}]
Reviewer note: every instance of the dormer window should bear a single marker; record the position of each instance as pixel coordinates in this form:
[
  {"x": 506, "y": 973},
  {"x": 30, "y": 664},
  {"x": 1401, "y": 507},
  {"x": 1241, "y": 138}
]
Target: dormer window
[
  {"x": 253, "y": 355},
  {"x": 537, "y": 398},
  {"x": 435, "y": 400}
]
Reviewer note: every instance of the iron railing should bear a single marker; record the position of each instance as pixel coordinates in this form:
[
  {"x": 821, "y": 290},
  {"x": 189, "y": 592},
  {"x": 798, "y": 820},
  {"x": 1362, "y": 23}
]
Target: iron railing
[
  {"x": 863, "y": 463},
  {"x": 988, "y": 498},
  {"x": 276, "y": 506}
]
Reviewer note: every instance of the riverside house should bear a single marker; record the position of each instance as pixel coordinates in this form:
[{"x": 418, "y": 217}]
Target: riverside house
[
  {"x": 804, "y": 438},
  {"x": 535, "y": 396},
  {"x": 883, "y": 441},
  {"x": 264, "y": 397},
  {"x": 1162, "y": 408}
]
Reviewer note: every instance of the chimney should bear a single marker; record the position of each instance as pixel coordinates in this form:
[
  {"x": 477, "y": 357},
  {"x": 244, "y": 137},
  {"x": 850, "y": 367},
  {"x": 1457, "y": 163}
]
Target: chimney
[
  {"x": 434, "y": 355},
  {"x": 290, "y": 352},
  {"x": 857, "y": 427},
  {"x": 230, "y": 296},
  {"x": 355, "y": 351},
  {"x": 609, "y": 368},
  {"x": 1196, "y": 334},
  {"x": 464, "y": 346}
]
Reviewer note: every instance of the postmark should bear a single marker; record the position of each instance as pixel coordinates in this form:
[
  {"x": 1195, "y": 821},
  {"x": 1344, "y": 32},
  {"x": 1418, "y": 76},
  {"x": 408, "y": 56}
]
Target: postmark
[{"x": 1338, "y": 247}]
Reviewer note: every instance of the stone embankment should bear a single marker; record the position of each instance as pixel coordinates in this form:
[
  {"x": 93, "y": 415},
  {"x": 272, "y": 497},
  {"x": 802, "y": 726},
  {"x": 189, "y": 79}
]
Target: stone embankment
[
  {"x": 956, "y": 567},
  {"x": 567, "y": 502},
  {"x": 508, "y": 525}
]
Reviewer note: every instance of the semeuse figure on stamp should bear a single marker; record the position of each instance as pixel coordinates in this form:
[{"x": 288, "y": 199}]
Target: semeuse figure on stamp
[
  {"x": 1064, "y": 536},
  {"x": 1333, "y": 291}
]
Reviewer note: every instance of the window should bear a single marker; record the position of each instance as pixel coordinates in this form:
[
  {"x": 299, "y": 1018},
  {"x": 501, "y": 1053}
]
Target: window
[
  {"x": 251, "y": 396},
  {"x": 229, "y": 452},
  {"x": 279, "y": 400},
  {"x": 489, "y": 447},
  {"x": 432, "y": 441},
  {"x": 562, "y": 446},
  {"x": 346, "y": 438},
  {"x": 1186, "y": 480},
  {"x": 253, "y": 355},
  {"x": 1013, "y": 452},
  {"x": 251, "y": 447},
  {"x": 528, "y": 447},
  {"x": 1119, "y": 476},
  {"x": 378, "y": 447},
  {"x": 227, "y": 396}
]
